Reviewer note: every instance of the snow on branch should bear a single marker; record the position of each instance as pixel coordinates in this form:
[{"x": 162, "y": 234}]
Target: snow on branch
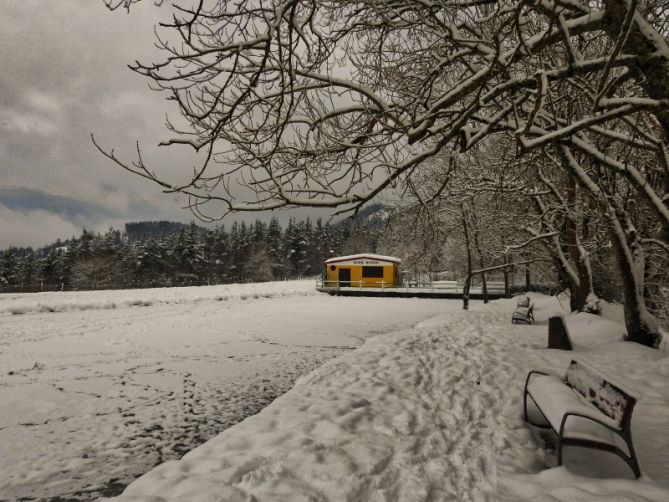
[{"x": 522, "y": 245}]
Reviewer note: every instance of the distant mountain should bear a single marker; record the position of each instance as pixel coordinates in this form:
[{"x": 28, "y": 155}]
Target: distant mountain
[
  {"x": 141, "y": 230},
  {"x": 364, "y": 230},
  {"x": 372, "y": 217}
]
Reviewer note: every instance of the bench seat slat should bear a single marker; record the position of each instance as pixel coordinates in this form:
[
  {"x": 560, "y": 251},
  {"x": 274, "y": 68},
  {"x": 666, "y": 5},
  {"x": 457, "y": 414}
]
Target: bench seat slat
[
  {"x": 555, "y": 398},
  {"x": 522, "y": 314}
]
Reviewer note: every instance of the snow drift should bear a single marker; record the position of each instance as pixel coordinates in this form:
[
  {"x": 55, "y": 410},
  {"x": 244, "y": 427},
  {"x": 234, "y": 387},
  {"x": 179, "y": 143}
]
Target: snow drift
[{"x": 432, "y": 413}]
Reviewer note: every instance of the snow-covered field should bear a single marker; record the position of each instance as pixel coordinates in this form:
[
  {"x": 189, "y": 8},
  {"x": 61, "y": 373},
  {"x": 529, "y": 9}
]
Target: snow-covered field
[
  {"x": 432, "y": 413},
  {"x": 98, "y": 387}
]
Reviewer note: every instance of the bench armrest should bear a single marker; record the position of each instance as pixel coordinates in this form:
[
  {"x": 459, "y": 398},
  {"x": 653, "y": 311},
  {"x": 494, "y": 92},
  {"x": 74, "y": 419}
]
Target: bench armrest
[
  {"x": 534, "y": 372},
  {"x": 527, "y": 381},
  {"x": 587, "y": 417}
]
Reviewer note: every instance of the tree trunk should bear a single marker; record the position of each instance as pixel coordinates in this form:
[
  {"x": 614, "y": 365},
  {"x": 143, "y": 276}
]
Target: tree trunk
[
  {"x": 579, "y": 293},
  {"x": 484, "y": 288},
  {"x": 468, "y": 279},
  {"x": 505, "y": 271},
  {"x": 479, "y": 252},
  {"x": 640, "y": 323},
  {"x": 567, "y": 277},
  {"x": 465, "y": 292},
  {"x": 583, "y": 289}
]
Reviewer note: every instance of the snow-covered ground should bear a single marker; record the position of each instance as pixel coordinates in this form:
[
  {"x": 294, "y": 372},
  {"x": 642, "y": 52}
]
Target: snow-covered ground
[
  {"x": 432, "y": 413},
  {"x": 98, "y": 387}
]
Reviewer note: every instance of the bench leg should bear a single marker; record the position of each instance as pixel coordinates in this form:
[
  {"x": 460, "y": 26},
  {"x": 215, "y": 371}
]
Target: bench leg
[
  {"x": 634, "y": 465},
  {"x": 525, "y": 405},
  {"x": 632, "y": 461}
]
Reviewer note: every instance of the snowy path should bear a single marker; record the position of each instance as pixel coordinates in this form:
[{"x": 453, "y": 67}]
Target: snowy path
[
  {"x": 415, "y": 415},
  {"x": 426, "y": 414},
  {"x": 94, "y": 395}
]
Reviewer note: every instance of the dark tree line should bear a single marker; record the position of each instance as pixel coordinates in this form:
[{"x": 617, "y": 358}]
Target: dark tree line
[{"x": 157, "y": 254}]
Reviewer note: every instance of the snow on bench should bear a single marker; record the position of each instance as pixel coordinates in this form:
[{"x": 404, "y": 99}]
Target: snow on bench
[
  {"x": 495, "y": 286},
  {"x": 583, "y": 409},
  {"x": 445, "y": 285},
  {"x": 524, "y": 312}
]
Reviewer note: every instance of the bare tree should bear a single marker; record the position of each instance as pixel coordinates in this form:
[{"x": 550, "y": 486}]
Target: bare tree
[{"x": 327, "y": 103}]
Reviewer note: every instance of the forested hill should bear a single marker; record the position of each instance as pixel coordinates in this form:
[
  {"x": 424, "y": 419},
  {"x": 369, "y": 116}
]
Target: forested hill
[
  {"x": 164, "y": 253},
  {"x": 140, "y": 230}
]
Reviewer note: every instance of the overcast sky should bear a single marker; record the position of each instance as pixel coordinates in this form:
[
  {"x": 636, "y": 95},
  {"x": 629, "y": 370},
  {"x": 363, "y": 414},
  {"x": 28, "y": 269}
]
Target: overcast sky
[{"x": 64, "y": 76}]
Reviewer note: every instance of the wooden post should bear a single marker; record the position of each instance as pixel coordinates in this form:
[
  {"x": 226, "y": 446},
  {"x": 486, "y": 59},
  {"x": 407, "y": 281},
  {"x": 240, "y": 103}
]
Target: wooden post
[{"x": 558, "y": 337}]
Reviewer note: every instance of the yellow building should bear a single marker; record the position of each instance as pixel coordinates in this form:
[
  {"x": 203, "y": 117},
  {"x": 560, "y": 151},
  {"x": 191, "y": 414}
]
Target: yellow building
[{"x": 361, "y": 270}]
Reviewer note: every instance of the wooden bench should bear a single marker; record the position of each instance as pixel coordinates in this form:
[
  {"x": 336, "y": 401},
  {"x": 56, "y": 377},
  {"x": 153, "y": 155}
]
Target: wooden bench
[
  {"x": 495, "y": 286},
  {"x": 445, "y": 285},
  {"x": 524, "y": 312},
  {"x": 583, "y": 409}
]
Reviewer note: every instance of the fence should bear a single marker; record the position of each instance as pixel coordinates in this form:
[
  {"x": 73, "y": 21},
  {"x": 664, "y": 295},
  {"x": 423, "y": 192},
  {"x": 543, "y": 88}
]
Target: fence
[
  {"x": 46, "y": 287},
  {"x": 493, "y": 287}
]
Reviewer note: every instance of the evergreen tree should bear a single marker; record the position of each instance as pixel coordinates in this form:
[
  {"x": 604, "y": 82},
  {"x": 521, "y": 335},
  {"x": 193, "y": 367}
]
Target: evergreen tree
[
  {"x": 180, "y": 255},
  {"x": 295, "y": 246},
  {"x": 236, "y": 249},
  {"x": 275, "y": 249},
  {"x": 220, "y": 255},
  {"x": 8, "y": 266},
  {"x": 26, "y": 269},
  {"x": 320, "y": 247}
]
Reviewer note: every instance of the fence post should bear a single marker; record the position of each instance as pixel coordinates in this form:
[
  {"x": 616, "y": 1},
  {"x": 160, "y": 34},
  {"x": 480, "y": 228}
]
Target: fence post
[{"x": 558, "y": 336}]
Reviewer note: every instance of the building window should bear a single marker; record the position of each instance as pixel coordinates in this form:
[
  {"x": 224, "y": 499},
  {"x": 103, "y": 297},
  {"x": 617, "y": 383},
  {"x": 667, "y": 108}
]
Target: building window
[{"x": 372, "y": 272}]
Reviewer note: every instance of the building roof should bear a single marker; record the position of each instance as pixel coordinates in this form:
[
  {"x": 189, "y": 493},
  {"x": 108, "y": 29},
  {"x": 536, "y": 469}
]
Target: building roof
[{"x": 363, "y": 256}]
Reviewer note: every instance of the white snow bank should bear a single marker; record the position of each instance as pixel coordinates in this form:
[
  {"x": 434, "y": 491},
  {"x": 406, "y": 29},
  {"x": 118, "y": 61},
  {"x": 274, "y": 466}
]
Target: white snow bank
[
  {"x": 560, "y": 485},
  {"x": 93, "y": 399},
  {"x": 23, "y": 303},
  {"x": 370, "y": 426},
  {"x": 432, "y": 413}
]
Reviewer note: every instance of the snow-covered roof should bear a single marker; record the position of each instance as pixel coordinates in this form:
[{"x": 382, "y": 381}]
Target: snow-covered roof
[{"x": 363, "y": 256}]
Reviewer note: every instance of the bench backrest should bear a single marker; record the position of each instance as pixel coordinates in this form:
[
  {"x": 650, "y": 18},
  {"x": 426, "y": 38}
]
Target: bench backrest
[
  {"x": 607, "y": 397},
  {"x": 523, "y": 302},
  {"x": 445, "y": 284}
]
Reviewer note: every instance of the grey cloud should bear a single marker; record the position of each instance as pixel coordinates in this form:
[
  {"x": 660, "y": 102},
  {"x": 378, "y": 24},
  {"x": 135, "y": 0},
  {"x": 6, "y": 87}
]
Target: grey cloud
[
  {"x": 33, "y": 229},
  {"x": 26, "y": 200},
  {"x": 32, "y": 217},
  {"x": 65, "y": 76}
]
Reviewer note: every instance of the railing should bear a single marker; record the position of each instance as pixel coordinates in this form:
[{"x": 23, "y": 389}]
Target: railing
[
  {"x": 354, "y": 284},
  {"x": 452, "y": 286}
]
